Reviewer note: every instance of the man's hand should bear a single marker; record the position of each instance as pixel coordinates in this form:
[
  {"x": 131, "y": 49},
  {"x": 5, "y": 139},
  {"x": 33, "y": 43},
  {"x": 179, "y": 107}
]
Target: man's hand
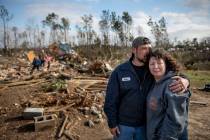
[
  {"x": 115, "y": 131},
  {"x": 179, "y": 84}
]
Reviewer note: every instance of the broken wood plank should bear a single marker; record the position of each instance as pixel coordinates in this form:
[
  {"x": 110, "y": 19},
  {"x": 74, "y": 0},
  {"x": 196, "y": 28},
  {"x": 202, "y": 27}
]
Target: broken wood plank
[
  {"x": 71, "y": 136},
  {"x": 66, "y": 75},
  {"x": 68, "y": 135},
  {"x": 63, "y": 126},
  {"x": 91, "y": 78},
  {"x": 85, "y": 99},
  {"x": 96, "y": 88},
  {"x": 3, "y": 88},
  {"x": 61, "y": 109},
  {"x": 72, "y": 125},
  {"x": 20, "y": 83},
  {"x": 68, "y": 125},
  {"x": 199, "y": 103}
]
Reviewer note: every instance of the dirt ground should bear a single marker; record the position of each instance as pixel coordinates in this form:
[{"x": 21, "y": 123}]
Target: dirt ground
[
  {"x": 13, "y": 127},
  {"x": 199, "y": 116},
  {"x": 13, "y": 101}
]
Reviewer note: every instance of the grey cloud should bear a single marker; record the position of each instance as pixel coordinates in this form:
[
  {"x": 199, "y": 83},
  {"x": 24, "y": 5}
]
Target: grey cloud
[
  {"x": 198, "y": 4},
  {"x": 190, "y": 34}
]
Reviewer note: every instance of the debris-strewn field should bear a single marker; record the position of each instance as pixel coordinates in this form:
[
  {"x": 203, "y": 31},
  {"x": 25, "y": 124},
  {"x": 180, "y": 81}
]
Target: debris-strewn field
[{"x": 72, "y": 93}]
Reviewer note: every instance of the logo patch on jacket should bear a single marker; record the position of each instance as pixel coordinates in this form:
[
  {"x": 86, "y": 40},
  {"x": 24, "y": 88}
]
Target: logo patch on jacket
[{"x": 126, "y": 79}]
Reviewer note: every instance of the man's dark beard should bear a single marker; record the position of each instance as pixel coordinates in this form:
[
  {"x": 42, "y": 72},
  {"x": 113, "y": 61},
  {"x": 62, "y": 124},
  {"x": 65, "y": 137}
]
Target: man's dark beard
[{"x": 142, "y": 61}]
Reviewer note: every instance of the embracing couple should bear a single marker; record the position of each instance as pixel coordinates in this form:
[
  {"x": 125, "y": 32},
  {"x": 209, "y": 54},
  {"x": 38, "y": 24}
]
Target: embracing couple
[{"x": 146, "y": 97}]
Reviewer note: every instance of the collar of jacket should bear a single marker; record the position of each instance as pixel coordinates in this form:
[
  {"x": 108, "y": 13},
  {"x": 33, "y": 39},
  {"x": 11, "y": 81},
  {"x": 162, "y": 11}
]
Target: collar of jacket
[{"x": 128, "y": 67}]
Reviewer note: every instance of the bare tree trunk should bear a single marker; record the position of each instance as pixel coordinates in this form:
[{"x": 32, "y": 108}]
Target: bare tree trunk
[
  {"x": 65, "y": 34},
  {"x": 15, "y": 40},
  {"x": 5, "y": 45},
  {"x": 7, "y": 37},
  {"x": 29, "y": 36},
  {"x": 34, "y": 37}
]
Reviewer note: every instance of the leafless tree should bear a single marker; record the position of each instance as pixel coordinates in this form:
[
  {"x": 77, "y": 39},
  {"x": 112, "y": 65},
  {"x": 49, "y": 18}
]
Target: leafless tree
[
  {"x": 105, "y": 26},
  {"x": 65, "y": 26},
  {"x": 15, "y": 29},
  {"x": 6, "y": 17}
]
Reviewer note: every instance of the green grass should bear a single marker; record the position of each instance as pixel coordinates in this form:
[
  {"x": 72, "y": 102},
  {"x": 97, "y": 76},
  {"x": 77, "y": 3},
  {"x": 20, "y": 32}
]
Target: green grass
[{"x": 198, "y": 78}]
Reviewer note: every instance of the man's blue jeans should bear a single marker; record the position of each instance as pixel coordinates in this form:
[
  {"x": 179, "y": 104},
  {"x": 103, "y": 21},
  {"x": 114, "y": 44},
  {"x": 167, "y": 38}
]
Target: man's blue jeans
[
  {"x": 184, "y": 135},
  {"x": 131, "y": 133}
]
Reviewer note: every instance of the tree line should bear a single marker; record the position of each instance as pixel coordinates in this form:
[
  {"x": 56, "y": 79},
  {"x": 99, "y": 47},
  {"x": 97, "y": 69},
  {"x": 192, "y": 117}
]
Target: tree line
[{"x": 115, "y": 30}]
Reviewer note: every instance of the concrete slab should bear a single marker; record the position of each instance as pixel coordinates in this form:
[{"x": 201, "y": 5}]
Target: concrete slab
[
  {"x": 30, "y": 113},
  {"x": 44, "y": 122}
]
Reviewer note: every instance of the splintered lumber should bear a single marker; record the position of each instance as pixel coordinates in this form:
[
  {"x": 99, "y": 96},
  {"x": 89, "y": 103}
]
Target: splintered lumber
[
  {"x": 39, "y": 83},
  {"x": 94, "y": 90},
  {"x": 66, "y": 75},
  {"x": 63, "y": 126},
  {"x": 86, "y": 83},
  {"x": 23, "y": 83},
  {"x": 71, "y": 136},
  {"x": 68, "y": 135},
  {"x": 85, "y": 98},
  {"x": 198, "y": 103},
  {"x": 70, "y": 125},
  {"x": 61, "y": 109},
  {"x": 66, "y": 107},
  {"x": 98, "y": 86},
  {"x": 3, "y": 88},
  {"x": 90, "y": 78}
]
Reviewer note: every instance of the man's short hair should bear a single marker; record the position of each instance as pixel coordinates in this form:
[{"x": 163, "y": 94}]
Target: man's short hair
[{"x": 141, "y": 40}]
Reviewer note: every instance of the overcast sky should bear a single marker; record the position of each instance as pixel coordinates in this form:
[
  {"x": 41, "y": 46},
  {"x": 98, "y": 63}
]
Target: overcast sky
[{"x": 186, "y": 19}]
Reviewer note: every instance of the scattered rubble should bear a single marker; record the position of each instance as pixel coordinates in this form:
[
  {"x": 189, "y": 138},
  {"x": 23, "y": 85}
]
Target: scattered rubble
[
  {"x": 44, "y": 122},
  {"x": 71, "y": 85},
  {"x": 89, "y": 123},
  {"x": 205, "y": 88}
]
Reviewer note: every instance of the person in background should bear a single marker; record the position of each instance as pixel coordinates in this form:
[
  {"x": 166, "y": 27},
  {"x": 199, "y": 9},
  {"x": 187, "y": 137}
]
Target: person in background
[
  {"x": 42, "y": 60},
  {"x": 127, "y": 89},
  {"x": 47, "y": 60},
  {"x": 36, "y": 64},
  {"x": 167, "y": 113}
]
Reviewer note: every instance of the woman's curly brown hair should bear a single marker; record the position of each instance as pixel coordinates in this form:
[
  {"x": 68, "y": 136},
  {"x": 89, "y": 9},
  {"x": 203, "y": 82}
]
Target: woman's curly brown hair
[{"x": 171, "y": 63}]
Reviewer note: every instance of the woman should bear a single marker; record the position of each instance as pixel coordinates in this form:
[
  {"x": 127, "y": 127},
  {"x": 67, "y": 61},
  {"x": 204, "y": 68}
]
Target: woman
[{"x": 167, "y": 113}]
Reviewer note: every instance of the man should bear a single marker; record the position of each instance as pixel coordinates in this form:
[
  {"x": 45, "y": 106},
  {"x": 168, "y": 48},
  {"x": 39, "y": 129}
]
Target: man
[
  {"x": 129, "y": 83},
  {"x": 36, "y": 64}
]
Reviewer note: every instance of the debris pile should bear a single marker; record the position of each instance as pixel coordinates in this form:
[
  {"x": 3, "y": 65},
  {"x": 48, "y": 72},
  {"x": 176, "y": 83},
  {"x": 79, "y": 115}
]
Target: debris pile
[{"x": 72, "y": 85}]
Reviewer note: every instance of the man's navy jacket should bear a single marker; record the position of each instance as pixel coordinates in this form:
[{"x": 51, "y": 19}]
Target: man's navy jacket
[{"x": 125, "y": 101}]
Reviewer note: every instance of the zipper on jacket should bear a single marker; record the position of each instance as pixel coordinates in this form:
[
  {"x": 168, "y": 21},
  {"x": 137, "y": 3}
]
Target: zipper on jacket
[
  {"x": 143, "y": 80},
  {"x": 140, "y": 83}
]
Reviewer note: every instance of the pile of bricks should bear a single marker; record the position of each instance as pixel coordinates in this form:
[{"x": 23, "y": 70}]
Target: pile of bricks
[{"x": 41, "y": 121}]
